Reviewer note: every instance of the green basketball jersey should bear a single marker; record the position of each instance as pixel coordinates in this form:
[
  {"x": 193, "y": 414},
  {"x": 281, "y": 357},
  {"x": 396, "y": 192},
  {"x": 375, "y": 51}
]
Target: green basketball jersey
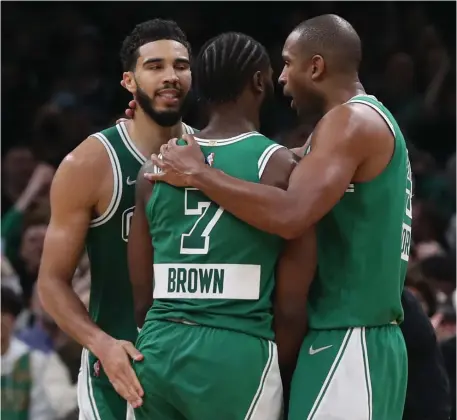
[
  {"x": 111, "y": 300},
  {"x": 211, "y": 268},
  {"x": 363, "y": 245}
]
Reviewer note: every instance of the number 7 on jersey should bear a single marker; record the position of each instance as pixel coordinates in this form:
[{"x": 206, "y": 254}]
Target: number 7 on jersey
[{"x": 196, "y": 242}]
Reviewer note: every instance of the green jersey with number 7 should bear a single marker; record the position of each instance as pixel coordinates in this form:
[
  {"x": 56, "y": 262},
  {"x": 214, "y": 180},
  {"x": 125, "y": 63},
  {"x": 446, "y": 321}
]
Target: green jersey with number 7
[{"x": 211, "y": 268}]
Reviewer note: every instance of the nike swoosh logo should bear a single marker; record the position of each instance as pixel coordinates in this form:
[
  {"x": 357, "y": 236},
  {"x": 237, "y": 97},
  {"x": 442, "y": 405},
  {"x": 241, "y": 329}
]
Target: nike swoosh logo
[
  {"x": 129, "y": 182},
  {"x": 314, "y": 351}
]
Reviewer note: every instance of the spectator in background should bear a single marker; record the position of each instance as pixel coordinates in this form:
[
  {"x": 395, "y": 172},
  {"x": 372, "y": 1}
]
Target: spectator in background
[
  {"x": 24, "y": 224},
  {"x": 34, "y": 386},
  {"x": 427, "y": 396},
  {"x": 31, "y": 248},
  {"x": 440, "y": 272},
  {"x": 448, "y": 348},
  {"x": 17, "y": 168}
]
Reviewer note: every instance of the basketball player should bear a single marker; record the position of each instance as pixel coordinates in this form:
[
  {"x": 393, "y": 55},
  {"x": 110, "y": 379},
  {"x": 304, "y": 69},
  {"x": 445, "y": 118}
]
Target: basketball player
[
  {"x": 355, "y": 180},
  {"x": 208, "y": 341},
  {"x": 92, "y": 200}
]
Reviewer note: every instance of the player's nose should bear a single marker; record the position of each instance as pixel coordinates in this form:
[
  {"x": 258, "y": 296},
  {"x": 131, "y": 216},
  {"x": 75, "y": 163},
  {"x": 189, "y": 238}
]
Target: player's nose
[{"x": 282, "y": 80}]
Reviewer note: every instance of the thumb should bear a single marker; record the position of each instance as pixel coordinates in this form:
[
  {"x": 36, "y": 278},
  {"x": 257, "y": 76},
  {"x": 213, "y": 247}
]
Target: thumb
[{"x": 132, "y": 351}]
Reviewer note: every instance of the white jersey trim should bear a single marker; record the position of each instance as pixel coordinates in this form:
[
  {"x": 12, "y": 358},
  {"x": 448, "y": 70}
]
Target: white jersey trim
[
  {"x": 129, "y": 144},
  {"x": 117, "y": 183},
  {"x": 361, "y": 100},
  {"x": 265, "y": 157},
  {"x": 187, "y": 129},
  {"x": 225, "y": 142},
  {"x": 86, "y": 401}
]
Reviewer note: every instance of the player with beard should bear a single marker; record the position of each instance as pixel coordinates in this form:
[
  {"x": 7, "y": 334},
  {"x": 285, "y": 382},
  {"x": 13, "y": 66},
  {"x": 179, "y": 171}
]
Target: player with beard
[
  {"x": 355, "y": 181},
  {"x": 208, "y": 340},
  {"x": 92, "y": 201}
]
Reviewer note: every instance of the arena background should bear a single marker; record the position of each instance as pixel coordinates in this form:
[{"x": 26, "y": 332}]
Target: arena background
[{"x": 61, "y": 82}]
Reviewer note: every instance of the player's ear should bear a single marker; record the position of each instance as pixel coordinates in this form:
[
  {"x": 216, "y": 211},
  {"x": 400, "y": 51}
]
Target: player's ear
[
  {"x": 317, "y": 67},
  {"x": 129, "y": 80},
  {"x": 258, "y": 83}
]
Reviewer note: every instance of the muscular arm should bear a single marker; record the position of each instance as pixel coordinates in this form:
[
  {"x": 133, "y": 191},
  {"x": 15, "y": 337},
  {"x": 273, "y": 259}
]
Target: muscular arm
[
  {"x": 315, "y": 186},
  {"x": 140, "y": 251},
  {"x": 73, "y": 193},
  {"x": 295, "y": 272}
]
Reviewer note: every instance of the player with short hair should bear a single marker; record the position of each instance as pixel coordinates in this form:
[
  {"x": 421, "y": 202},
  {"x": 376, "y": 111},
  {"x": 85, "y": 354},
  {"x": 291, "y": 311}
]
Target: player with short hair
[
  {"x": 92, "y": 201},
  {"x": 355, "y": 183},
  {"x": 208, "y": 339}
]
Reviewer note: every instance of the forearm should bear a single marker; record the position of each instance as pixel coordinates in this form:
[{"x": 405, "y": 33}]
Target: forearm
[
  {"x": 63, "y": 304},
  {"x": 142, "y": 299},
  {"x": 289, "y": 338},
  {"x": 264, "y": 207},
  {"x": 289, "y": 335},
  {"x": 142, "y": 306}
]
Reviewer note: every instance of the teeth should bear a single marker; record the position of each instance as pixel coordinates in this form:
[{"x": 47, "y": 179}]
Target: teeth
[{"x": 168, "y": 95}]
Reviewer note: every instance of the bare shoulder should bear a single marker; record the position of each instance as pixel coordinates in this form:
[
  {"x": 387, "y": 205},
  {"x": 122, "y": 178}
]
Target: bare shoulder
[
  {"x": 279, "y": 168},
  {"x": 81, "y": 173},
  {"x": 356, "y": 126}
]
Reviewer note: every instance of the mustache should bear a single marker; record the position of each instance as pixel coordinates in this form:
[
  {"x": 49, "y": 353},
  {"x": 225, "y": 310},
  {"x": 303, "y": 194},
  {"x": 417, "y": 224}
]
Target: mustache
[{"x": 170, "y": 86}]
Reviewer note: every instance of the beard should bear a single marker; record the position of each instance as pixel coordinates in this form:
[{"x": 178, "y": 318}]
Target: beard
[{"x": 162, "y": 118}]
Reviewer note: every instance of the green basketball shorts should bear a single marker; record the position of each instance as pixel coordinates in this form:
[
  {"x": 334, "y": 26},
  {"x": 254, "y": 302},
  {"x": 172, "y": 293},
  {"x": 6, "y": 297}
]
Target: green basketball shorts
[{"x": 192, "y": 372}]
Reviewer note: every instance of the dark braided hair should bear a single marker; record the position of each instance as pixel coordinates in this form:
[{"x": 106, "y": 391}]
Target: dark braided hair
[
  {"x": 150, "y": 31},
  {"x": 225, "y": 65}
]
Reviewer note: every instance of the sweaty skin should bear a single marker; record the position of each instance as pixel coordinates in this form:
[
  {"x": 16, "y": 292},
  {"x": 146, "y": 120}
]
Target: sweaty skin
[
  {"x": 351, "y": 143},
  {"x": 295, "y": 270}
]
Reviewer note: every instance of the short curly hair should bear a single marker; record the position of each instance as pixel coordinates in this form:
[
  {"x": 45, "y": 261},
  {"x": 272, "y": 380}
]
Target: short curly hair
[{"x": 150, "y": 31}]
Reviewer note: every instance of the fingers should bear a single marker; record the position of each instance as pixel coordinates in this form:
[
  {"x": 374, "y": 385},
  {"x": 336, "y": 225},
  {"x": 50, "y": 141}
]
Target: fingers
[
  {"x": 123, "y": 378},
  {"x": 163, "y": 149},
  {"x": 126, "y": 384},
  {"x": 132, "y": 351},
  {"x": 190, "y": 140},
  {"x": 132, "y": 104},
  {"x": 130, "y": 113},
  {"x": 155, "y": 176}
]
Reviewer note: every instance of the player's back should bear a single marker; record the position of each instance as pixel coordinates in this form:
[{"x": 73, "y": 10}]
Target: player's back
[
  {"x": 363, "y": 245},
  {"x": 211, "y": 268}
]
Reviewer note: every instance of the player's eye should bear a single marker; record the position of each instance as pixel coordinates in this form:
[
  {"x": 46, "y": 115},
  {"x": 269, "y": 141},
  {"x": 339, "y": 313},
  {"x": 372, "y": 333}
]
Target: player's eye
[{"x": 182, "y": 66}]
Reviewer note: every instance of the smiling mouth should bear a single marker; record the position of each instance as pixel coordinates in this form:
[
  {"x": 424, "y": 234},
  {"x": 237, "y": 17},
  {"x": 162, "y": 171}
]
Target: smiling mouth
[{"x": 169, "y": 93}]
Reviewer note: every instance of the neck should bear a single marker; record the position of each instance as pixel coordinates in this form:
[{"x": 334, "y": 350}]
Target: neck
[
  {"x": 229, "y": 121},
  {"x": 147, "y": 135},
  {"x": 342, "y": 91}
]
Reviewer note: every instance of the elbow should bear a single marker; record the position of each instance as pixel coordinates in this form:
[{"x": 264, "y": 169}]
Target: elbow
[
  {"x": 287, "y": 226},
  {"x": 42, "y": 291}
]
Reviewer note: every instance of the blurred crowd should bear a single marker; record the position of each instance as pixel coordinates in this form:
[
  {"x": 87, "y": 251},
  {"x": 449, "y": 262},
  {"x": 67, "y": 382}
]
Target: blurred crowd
[{"x": 61, "y": 75}]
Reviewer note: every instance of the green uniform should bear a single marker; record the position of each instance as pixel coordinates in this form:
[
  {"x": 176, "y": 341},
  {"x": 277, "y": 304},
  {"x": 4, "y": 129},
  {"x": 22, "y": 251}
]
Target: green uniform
[
  {"x": 353, "y": 362},
  {"x": 208, "y": 339},
  {"x": 111, "y": 301},
  {"x": 16, "y": 388}
]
